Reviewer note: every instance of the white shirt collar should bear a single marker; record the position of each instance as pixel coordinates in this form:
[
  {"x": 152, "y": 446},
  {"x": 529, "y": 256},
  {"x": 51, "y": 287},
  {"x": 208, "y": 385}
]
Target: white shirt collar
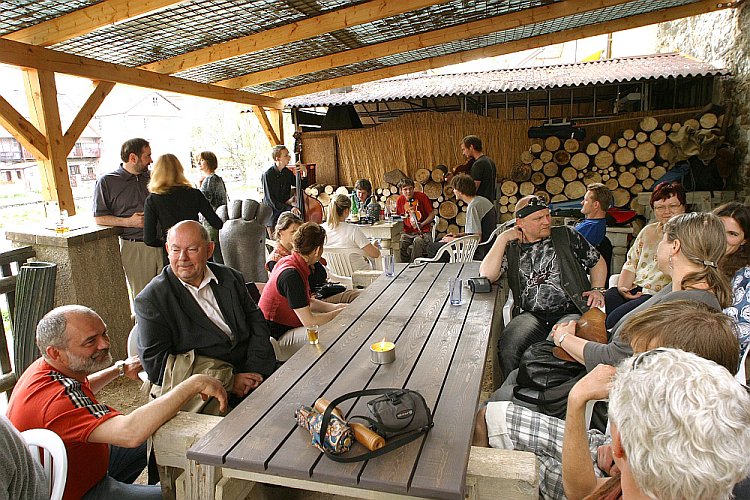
[{"x": 208, "y": 276}]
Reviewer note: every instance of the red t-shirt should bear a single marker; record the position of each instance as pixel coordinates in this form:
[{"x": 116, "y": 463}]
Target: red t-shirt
[
  {"x": 45, "y": 398},
  {"x": 424, "y": 206}
]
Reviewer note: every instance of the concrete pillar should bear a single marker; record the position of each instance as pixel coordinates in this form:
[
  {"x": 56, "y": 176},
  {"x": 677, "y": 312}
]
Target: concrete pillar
[{"x": 89, "y": 273}]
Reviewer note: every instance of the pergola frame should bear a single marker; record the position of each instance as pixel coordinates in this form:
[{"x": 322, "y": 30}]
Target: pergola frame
[{"x": 43, "y": 135}]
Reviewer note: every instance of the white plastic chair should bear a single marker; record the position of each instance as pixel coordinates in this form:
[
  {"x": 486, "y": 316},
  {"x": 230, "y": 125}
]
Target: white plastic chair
[
  {"x": 613, "y": 280},
  {"x": 54, "y": 458},
  {"x": 133, "y": 349},
  {"x": 339, "y": 264},
  {"x": 459, "y": 250}
]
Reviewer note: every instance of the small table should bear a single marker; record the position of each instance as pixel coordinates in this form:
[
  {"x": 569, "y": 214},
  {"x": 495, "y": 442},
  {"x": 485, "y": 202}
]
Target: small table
[{"x": 440, "y": 351}]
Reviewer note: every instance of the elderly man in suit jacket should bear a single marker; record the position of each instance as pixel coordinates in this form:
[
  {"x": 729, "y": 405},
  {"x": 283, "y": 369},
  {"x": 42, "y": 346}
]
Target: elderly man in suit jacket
[{"x": 203, "y": 307}]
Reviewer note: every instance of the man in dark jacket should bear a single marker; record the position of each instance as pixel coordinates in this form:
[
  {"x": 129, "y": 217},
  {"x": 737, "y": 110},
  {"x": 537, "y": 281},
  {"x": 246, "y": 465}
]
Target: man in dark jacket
[{"x": 193, "y": 305}]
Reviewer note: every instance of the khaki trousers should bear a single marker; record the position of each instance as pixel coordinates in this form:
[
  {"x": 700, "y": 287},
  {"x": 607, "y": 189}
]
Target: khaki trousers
[{"x": 141, "y": 264}]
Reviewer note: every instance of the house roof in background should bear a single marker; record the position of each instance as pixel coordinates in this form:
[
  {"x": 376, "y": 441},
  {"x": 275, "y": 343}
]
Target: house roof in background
[{"x": 518, "y": 79}]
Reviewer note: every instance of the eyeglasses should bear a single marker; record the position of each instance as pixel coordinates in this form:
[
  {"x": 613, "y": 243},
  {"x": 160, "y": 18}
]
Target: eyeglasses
[
  {"x": 671, "y": 208},
  {"x": 637, "y": 360}
]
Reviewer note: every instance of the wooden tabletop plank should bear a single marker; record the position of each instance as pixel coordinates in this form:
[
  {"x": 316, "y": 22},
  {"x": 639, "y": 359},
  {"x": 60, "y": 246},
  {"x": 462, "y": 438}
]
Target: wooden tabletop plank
[
  {"x": 257, "y": 447},
  {"x": 409, "y": 348},
  {"x": 216, "y": 444},
  {"x": 442, "y": 464},
  {"x": 436, "y": 362}
]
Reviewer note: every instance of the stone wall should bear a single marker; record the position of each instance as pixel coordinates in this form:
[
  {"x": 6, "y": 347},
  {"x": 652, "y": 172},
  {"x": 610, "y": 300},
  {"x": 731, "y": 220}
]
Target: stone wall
[{"x": 720, "y": 38}]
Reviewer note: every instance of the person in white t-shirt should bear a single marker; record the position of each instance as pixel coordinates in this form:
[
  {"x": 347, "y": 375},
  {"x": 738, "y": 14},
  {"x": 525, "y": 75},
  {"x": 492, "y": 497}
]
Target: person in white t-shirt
[{"x": 341, "y": 234}]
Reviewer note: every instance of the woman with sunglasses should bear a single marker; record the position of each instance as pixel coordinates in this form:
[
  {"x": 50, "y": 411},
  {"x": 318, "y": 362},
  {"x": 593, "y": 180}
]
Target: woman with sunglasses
[
  {"x": 689, "y": 252},
  {"x": 736, "y": 265},
  {"x": 641, "y": 277}
]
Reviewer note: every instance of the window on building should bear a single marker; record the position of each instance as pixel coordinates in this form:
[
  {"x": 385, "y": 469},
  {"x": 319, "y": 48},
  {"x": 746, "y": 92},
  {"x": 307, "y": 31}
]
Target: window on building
[
  {"x": 74, "y": 170},
  {"x": 9, "y": 176},
  {"x": 19, "y": 174}
]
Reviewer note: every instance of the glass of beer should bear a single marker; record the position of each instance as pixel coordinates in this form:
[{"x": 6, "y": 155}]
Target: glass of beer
[{"x": 312, "y": 334}]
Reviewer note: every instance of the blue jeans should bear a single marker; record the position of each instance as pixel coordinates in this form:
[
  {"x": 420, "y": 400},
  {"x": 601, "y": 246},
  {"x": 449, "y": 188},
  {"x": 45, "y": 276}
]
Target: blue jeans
[
  {"x": 525, "y": 329},
  {"x": 125, "y": 465}
]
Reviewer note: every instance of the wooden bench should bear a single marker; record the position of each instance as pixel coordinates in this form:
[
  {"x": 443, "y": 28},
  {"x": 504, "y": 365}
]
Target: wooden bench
[{"x": 491, "y": 473}]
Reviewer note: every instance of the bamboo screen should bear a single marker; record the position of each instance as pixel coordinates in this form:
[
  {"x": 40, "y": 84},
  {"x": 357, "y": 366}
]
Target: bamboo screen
[{"x": 423, "y": 140}]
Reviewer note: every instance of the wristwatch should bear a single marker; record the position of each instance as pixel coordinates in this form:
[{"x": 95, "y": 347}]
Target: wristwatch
[{"x": 120, "y": 365}]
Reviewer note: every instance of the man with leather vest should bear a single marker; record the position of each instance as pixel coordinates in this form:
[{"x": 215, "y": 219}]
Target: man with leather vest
[{"x": 546, "y": 269}]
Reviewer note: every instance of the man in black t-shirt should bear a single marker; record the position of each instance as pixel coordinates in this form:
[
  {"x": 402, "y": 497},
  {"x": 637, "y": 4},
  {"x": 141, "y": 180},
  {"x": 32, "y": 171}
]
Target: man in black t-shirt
[{"x": 483, "y": 170}]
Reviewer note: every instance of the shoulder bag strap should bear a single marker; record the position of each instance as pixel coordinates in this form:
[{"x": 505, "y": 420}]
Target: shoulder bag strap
[{"x": 371, "y": 454}]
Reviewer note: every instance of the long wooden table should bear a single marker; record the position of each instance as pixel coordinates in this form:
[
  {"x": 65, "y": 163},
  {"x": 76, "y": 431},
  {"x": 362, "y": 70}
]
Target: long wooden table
[{"x": 441, "y": 352}]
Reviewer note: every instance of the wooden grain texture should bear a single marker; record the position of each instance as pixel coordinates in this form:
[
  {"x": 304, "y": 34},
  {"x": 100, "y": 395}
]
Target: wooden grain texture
[
  {"x": 440, "y": 349},
  {"x": 213, "y": 448}
]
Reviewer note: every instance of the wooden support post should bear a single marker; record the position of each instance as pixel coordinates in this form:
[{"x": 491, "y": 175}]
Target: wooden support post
[
  {"x": 267, "y": 126},
  {"x": 41, "y": 94},
  {"x": 277, "y": 122},
  {"x": 23, "y": 130}
]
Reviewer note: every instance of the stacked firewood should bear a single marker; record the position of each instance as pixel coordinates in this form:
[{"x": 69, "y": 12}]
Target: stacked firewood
[{"x": 628, "y": 164}]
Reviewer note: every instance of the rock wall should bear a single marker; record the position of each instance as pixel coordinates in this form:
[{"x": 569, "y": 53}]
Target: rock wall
[{"x": 720, "y": 38}]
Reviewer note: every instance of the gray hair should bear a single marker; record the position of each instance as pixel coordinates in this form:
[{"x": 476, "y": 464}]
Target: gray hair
[
  {"x": 203, "y": 231},
  {"x": 51, "y": 330},
  {"x": 684, "y": 423}
]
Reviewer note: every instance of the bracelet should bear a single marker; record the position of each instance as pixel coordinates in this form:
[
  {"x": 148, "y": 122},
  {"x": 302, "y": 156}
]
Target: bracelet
[
  {"x": 560, "y": 340},
  {"x": 120, "y": 365},
  {"x": 599, "y": 289}
]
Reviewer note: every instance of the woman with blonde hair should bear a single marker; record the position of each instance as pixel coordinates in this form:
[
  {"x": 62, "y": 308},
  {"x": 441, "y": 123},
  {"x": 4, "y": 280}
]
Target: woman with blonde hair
[
  {"x": 342, "y": 234},
  {"x": 689, "y": 252},
  {"x": 172, "y": 199}
]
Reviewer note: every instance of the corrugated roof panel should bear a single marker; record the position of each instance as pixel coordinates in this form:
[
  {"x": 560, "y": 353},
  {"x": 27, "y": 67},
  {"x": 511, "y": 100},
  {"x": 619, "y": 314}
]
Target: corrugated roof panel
[
  {"x": 392, "y": 28},
  {"x": 521, "y": 79}
]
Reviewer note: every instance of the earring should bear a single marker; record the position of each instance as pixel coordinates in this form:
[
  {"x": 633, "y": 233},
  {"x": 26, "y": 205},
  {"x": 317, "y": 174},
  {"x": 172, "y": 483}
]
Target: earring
[{"x": 670, "y": 262}]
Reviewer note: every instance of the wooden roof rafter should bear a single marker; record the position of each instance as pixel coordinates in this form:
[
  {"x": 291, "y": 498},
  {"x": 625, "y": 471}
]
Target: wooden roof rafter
[
  {"x": 431, "y": 38},
  {"x": 300, "y": 30},
  {"x": 86, "y": 20},
  {"x": 31, "y": 56},
  {"x": 669, "y": 14}
]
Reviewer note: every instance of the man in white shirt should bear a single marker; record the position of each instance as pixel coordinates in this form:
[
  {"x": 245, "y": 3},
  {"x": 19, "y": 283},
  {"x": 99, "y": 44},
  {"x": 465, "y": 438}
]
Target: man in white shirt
[{"x": 202, "y": 307}]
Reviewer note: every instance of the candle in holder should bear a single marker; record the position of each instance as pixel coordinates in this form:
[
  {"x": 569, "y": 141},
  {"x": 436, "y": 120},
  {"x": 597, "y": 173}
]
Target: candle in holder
[{"x": 383, "y": 352}]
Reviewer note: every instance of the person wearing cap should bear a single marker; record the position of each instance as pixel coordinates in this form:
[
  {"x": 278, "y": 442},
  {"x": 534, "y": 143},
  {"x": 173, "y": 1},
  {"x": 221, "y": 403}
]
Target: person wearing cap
[{"x": 547, "y": 272}]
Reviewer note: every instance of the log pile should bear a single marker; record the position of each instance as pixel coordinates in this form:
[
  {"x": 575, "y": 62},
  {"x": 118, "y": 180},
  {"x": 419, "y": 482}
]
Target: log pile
[
  {"x": 628, "y": 164},
  {"x": 452, "y": 212}
]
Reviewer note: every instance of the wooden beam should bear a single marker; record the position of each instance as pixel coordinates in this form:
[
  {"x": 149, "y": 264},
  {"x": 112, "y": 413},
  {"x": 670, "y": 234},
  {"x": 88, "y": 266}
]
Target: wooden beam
[
  {"x": 325, "y": 23},
  {"x": 432, "y": 38},
  {"x": 23, "y": 130},
  {"x": 86, "y": 20},
  {"x": 277, "y": 122},
  {"x": 660, "y": 16},
  {"x": 265, "y": 124},
  {"x": 85, "y": 114},
  {"x": 41, "y": 93},
  {"x": 31, "y": 56}
]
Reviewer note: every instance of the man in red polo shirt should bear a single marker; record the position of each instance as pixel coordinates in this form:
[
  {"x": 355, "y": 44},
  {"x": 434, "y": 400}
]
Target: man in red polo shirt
[
  {"x": 416, "y": 208},
  {"x": 106, "y": 450}
]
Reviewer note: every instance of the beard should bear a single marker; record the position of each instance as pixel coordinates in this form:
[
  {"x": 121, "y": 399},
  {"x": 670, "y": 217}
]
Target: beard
[{"x": 99, "y": 361}]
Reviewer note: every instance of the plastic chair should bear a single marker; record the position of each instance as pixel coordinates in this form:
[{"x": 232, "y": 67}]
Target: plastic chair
[
  {"x": 133, "y": 349},
  {"x": 460, "y": 250},
  {"x": 54, "y": 458},
  {"x": 339, "y": 265}
]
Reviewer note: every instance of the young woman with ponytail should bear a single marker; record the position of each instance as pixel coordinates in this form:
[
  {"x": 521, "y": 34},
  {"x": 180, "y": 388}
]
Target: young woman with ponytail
[
  {"x": 690, "y": 251},
  {"x": 341, "y": 234}
]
